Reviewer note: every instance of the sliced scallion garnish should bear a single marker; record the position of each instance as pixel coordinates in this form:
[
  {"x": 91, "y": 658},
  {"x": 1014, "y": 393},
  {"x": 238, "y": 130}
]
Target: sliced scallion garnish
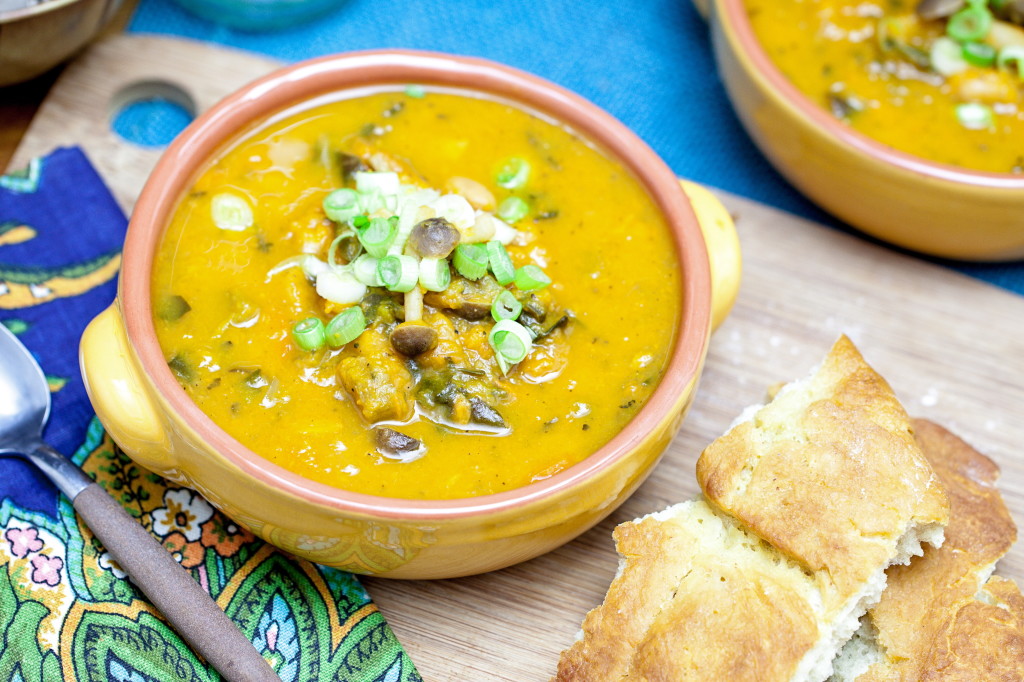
[
  {"x": 1012, "y": 54},
  {"x": 501, "y": 264},
  {"x": 434, "y": 274},
  {"x": 345, "y": 327},
  {"x": 371, "y": 201},
  {"x": 531, "y": 277},
  {"x": 979, "y": 54},
  {"x": 975, "y": 116},
  {"x": 364, "y": 269},
  {"x": 947, "y": 57},
  {"x": 310, "y": 334},
  {"x": 332, "y": 250},
  {"x": 513, "y": 209},
  {"x": 511, "y": 341},
  {"x": 385, "y": 182},
  {"x": 231, "y": 212},
  {"x": 505, "y": 307},
  {"x": 415, "y": 91},
  {"x": 340, "y": 286},
  {"x": 969, "y": 24},
  {"x": 341, "y": 205},
  {"x": 513, "y": 173},
  {"x": 398, "y": 273},
  {"x": 470, "y": 260},
  {"x": 377, "y": 236}
]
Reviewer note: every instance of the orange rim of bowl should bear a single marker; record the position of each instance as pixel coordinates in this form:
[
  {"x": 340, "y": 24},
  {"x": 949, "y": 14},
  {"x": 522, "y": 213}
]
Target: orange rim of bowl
[
  {"x": 737, "y": 21},
  {"x": 288, "y": 88}
]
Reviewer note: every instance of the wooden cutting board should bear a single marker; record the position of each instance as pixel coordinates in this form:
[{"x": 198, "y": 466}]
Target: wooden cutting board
[{"x": 952, "y": 348}]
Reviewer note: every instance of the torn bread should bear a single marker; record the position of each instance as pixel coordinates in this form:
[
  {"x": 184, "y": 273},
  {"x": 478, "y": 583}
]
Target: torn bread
[
  {"x": 766, "y": 578},
  {"x": 829, "y": 473},
  {"x": 942, "y": 617}
]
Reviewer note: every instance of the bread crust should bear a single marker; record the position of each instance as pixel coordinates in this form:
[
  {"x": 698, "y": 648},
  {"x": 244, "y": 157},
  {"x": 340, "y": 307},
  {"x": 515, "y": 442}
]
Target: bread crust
[
  {"x": 697, "y": 599},
  {"x": 929, "y": 623},
  {"x": 725, "y": 589},
  {"x": 828, "y": 472},
  {"x": 646, "y": 581}
]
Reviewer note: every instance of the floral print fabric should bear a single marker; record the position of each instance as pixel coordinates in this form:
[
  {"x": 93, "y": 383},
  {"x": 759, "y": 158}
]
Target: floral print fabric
[{"x": 68, "y": 612}]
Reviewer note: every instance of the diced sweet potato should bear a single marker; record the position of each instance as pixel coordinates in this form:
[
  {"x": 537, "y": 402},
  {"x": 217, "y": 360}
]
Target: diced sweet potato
[{"x": 378, "y": 382}]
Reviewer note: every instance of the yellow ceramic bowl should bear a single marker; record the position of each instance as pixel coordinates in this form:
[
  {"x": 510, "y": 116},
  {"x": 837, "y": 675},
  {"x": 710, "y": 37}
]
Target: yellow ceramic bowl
[
  {"x": 929, "y": 207},
  {"x": 153, "y": 420},
  {"x": 37, "y": 38}
]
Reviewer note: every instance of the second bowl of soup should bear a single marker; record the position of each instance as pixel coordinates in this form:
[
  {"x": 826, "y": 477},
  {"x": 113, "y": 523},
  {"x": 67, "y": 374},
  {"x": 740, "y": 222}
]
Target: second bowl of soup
[
  {"x": 903, "y": 119},
  {"x": 406, "y": 314}
]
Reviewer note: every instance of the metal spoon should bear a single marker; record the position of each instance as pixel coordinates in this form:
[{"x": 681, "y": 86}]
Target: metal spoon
[{"x": 24, "y": 409}]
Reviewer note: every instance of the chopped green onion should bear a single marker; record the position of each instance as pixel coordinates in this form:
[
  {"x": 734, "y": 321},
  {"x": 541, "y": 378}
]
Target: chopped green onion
[
  {"x": 969, "y": 24},
  {"x": 342, "y": 205},
  {"x": 340, "y": 286},
  {"x": 979, "y": 54},
  {"x": 513, "y": 173},
  {"x": 311, "y": 266},
  {"x": 501, "y": 264},
  {"x": 332, "y": 250},
  {"x": 415, "y": 91},
  {"x": 360, "y": 221},
  {"x": 310, "y": 334},
  {"x": 974, "y": 116},
  {"x": 947, "y": 57},
  {"x": 371, "y": 201},
  {"x": 231, "y": 212},
  {"x": 511, "y": 341},
  {"x": 1012, "y": 54},
  {"x": 470, "y": 260},
  {"x": 513, "y": 209},
  {"x": 530, "y": 277},
  {"x": 346, "y": 326},
  {"x": 406, "y": 222},
  {"x": 364, "y": 269},
  {"x": 505, "y": 307},
  {"x": 385, "y": 182},
  {"x": 502, "y": 363},
  {"x": 377, "y": 237},
  {"x": 434, "y": 274},
  {"x": 398, "y": 273}
]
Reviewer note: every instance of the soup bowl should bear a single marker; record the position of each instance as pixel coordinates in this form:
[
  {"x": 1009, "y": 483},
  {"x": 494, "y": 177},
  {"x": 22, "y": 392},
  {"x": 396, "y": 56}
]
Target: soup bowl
[
  {"x": 38, "y": 37},
  {"x": 152, "y": 418},
  {"x": 933, "y": 208}
]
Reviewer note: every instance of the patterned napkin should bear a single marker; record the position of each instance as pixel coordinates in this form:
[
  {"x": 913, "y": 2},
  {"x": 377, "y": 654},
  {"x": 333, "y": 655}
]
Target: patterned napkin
[{"x": 67, "y": 611}]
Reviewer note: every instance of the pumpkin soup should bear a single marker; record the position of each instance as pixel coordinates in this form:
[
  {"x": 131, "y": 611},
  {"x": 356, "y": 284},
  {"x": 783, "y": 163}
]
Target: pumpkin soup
[
  {"x": 417, "y": 294},
  {"x": 940, "y": 79}
]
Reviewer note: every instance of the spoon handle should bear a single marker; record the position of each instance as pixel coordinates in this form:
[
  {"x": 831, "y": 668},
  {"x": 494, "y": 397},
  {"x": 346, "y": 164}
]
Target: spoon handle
[{"x": 185, "y": 605}]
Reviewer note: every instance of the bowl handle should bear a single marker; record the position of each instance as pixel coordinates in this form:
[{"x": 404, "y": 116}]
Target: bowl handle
[
  {"x": 723, "y": 249},
  {"x": 118, "y": 394}
]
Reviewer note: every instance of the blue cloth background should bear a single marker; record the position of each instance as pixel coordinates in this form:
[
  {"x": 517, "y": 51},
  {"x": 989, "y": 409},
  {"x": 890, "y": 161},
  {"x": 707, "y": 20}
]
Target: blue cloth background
[
  {"x": 647, "y": 62},
  {"x": 76, "y": 220}
]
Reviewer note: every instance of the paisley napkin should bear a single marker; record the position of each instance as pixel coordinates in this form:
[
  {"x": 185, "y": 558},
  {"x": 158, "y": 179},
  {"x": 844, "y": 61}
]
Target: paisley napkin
[{"x": 67, "y": 611}]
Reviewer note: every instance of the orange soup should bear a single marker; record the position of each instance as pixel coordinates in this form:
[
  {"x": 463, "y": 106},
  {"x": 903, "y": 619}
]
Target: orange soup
[
  {"x": 419, "y": 294},
  {"x": 938, "y": 79}
]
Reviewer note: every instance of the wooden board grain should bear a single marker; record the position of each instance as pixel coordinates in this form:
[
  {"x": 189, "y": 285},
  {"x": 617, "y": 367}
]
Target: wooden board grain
[{"x": 952, "y": 348}]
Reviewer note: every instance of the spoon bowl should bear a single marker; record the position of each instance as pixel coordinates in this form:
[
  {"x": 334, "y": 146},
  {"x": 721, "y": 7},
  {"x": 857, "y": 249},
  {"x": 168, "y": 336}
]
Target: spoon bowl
[
  {"x": 25, "y": 400},
  {"x": 24, "y": 411}
]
